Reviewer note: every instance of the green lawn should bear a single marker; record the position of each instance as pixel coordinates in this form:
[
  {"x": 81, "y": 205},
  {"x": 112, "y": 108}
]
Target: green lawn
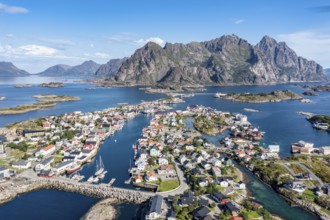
[
  {"x": 168, "y": 185},
  {"x": 250, "y": 215},
  {"x": 308, "y": 195}
]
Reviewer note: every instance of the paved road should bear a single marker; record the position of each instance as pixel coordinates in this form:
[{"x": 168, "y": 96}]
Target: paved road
[
  {"x": 311, "y": 174},
  {"x": 183, "y": 184}
]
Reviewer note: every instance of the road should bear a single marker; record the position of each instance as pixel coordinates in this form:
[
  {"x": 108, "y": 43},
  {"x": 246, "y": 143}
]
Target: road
[
  {"x": 183, "y": 184},
  {"x": 311, "y": 174}
]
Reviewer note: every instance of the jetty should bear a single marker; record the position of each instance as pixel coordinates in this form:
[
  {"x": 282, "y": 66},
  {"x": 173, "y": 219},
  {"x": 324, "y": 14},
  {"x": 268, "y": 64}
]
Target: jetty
[{"x": 20, "y": 185}]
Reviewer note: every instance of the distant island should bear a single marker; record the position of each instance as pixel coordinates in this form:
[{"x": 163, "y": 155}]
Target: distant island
[
  {"x": 43, "y": 102},
  {"x": 52, "y": 84},
  {"x": 317, "y": 88},
  {"x": 23, "y": 86},
  {"x": 275, "y": 96},
  {"x": 321, "y": 122}
]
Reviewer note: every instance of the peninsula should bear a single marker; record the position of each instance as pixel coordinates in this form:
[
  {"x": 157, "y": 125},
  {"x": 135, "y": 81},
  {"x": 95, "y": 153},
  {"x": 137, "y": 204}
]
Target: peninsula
[
  {"x": 275, "y": 96},
  {"x": 43, "y": 102}
]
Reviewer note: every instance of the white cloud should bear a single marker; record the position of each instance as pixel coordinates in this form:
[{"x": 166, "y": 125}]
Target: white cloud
[
  {"x": 12, "y": 36},
  {"x": 102, "y": 55},
  {"x": 309, "y": 44},
  {"x": 60, "y": 44},
  {"x": 239, "y": 21},
  {"x": 37, "y": 50},
  {"x": 12, "y": 9},
  {"x": 156, "y": 40}
]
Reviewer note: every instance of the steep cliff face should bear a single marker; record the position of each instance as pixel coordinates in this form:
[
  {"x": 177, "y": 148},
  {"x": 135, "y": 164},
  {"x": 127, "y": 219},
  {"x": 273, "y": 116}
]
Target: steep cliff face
[
  {"x": 110, "y": 68},
  {"x": 225, "y": 60}
]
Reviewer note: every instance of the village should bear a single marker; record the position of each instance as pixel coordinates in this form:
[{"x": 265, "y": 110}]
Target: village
[{"x": 192, "y": 177}]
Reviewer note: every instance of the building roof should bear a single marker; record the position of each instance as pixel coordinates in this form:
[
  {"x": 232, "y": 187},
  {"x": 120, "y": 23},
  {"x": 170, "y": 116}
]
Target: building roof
[
  {"x": 201, "y": 212},
  {"x": 231, "y": 207},
  {"x": 47, "y": 161},
  {"x": 48, "y": 147},
  {"x": 156, "y": 204},
  {"x": 3, "y": 169},
  {"x": 20, "y": 163}
]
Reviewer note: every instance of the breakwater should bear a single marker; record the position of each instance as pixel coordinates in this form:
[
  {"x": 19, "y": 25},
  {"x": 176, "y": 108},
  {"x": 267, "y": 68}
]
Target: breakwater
[{"x": 10, "y": 190}]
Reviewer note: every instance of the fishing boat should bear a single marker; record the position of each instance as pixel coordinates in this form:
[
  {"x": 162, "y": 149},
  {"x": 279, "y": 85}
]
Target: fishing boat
[
  {"x": 78, "y": 177},
  {"x": 99, "y": 167}
]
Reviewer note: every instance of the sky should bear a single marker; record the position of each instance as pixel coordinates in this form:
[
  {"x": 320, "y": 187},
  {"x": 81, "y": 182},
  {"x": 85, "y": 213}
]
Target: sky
[{"x": 36, "y": 34}]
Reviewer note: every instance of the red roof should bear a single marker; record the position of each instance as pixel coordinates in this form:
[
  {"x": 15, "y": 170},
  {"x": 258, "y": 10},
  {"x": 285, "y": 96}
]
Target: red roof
[
  {"x": 236, "y": 218},
  {"x": 49, "y": 147}
]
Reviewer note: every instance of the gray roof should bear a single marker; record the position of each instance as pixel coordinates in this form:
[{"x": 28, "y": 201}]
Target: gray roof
[
  {"x": 156, "y": 204},
  {"x": 46, "y": 161},
  {"x": 65, "y": 163},
  {"x": 3, "y": 169},
  {"x": 20, "y": 163}
]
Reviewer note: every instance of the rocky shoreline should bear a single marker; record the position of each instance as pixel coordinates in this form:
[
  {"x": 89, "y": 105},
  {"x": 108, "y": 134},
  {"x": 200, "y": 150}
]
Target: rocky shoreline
[
  {"x": 102, "y": 210},
  {"x": 315, "y": 209}
]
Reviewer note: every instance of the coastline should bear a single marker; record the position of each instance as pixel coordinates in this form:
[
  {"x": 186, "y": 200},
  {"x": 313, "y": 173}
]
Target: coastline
[
  {"x": 102, "y": 210},
  {"x": 305, "y": 205}
]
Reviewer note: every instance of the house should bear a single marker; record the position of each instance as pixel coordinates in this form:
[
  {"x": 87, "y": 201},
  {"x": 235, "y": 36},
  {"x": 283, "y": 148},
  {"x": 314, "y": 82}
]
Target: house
[
  {"x": 166, "y": 169},
  {"x": 240, "y": 185},
  {"x": 30, "y": 133},
  {"x": 236, "y": 218},
  {"x": 188, "y": 165},
  {"x": 196, "y": 171},
  {"x": 202, "y": 182},
  {"x": 325, "y": 150},
  {"x": 233, "y": 209},
  {"x": 155, "y": 211},
  {"x": 21, "y": 164},
  {"x": 171, "y": 214},
  {"x": 222, "y": 182},
  {"x": 2, "y": 151},
  {"x": 186, "y": 199},
  {"x": 150, "y": 176},
  {"x": 44, "y": 165},
  {"x": 216, "y": 171},
  {"x": 138, "y": 179},
  {"x": 4, "y": 173},
  {"x": 302, "y": 147},
  {"x": 46, "y": 173},
  {"x": 61, "y": 167},
  {"x": 46, "y": 125},
  {"x": 274, "y": 148},
  {"x": 182, "y": 158},
  {"x": 295, "y": 185},
  {"x": 220, "y": 198},
  {"x": 205, "y": 165},
  {"x": 162, "y": 161},
  {"x": 200, "y": 213},
  {"x": 215, "y": 162},
  {"x": 46, "y": 151}
]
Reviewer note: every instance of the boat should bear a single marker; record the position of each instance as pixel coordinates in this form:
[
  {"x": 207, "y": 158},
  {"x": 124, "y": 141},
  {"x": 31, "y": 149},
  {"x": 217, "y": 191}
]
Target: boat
[
  {"x": 96, "y": 180},
  {"x": 99, "y": 167},
  {"x": 2, "y": 98},
  {"x": 78, "y": 177},
  {"x": 101, "y": 176},
  {"x": 219, "y": 95},
  {"x": 74, "y": 167},
  {"x": 321, "y": 126},
  {"x": 90, "y": 179}
]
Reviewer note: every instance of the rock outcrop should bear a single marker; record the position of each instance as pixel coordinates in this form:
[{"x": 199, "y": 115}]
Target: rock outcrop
[
  {"x": 222, "y": 61},
  {"x": 110, "y": 68}
]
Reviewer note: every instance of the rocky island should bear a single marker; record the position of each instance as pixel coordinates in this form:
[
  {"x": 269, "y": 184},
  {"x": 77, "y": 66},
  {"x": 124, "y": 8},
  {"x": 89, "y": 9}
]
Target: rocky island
[
  {"x": 316, "y": 88},
  {"x": 43, "y": 102},
  {"x": 275, "y": 96},
  {"x": 102, "y": 210},
  {"x": 52, "y": 84},
  {"x": 23, "y": 86}
]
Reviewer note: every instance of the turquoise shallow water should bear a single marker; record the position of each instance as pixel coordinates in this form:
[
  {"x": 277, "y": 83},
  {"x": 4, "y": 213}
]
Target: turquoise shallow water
[{"x": 280, "y": 121}]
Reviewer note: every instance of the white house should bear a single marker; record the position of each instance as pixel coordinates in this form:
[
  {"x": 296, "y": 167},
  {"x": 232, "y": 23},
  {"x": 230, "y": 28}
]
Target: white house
[
  {"x": 46, "y": 151},
  {"x": 21, "y": 164},
  {"x": 162, "y": 161},
  {"x": 44, "y": 165},
  {"x": 274, "y": 148},
  {"x": 155, "y": 211},
  {"x": 61, "y": 167}
]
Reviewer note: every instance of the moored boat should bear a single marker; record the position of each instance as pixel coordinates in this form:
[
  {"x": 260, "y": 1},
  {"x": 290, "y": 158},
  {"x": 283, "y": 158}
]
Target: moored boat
[{"x": 73, "y": 168}]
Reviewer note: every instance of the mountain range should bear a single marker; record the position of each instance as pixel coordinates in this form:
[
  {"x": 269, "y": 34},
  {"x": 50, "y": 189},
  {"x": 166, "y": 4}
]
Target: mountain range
[
  {"x": 86, "y": 69},
  {"x": 223, "y": 61},
  {"x": 226, "y": 60},
  {"x": 10, "y": 70}
]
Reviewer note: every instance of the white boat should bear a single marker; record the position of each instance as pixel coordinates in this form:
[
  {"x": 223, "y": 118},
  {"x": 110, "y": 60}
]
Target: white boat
[
  {"x": 101, "y": 176},
  {"x": 99, "y": 167},
  {"x": 219, "y": 95},
  {"x": 90, "y": 179},
  {"x": 321, "y": 126},
  {"x": 96, "y": 180}
]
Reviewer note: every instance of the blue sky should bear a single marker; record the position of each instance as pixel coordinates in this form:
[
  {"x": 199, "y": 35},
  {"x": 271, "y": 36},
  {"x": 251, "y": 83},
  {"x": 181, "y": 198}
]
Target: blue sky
[{"x": 36, "y": 34}]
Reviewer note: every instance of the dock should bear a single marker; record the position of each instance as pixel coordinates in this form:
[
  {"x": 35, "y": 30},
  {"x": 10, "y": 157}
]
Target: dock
[
  {"x": 112, "y": 181},
  {"x": 128, "y": 181}
]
